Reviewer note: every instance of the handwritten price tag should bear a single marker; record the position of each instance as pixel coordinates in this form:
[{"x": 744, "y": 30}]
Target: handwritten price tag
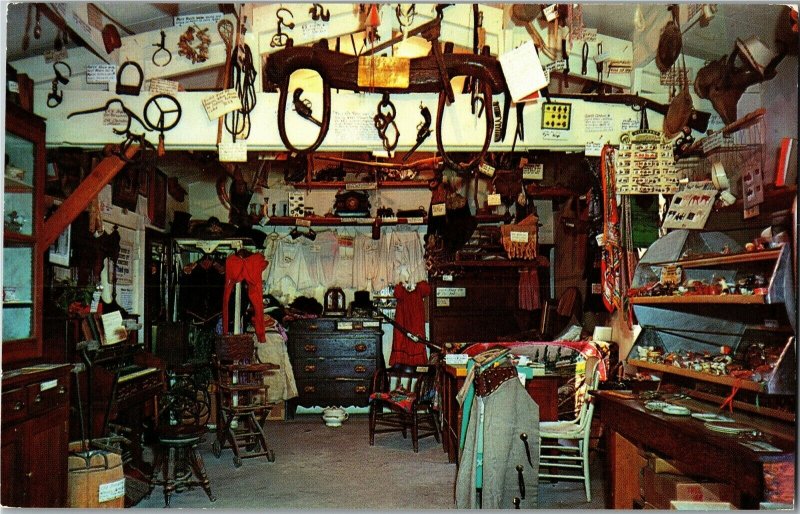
[
  {"x": 163, "y": 86},
  {"x": 221, "y": 103},
  {"x": 493, "y": 200},
  {"x": 533, "y": 171},
  {"x": 114, "y": 117},
  {"x": 438, "y": 209},
  {"x": 519, "y": 237},
  {"x": 233, "y": 152},
  {"x": 486, "y": 169},
  {"x": 101, "y": 73}
]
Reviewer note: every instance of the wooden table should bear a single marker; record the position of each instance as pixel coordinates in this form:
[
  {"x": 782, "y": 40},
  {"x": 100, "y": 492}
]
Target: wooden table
[
  {"x": 543, "y": 390},
  {"x": 696, "y": 450}
]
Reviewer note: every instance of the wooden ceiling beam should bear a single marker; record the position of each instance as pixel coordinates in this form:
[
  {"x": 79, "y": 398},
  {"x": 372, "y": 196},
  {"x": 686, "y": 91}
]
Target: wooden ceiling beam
[{"x": 79, "y": 200}]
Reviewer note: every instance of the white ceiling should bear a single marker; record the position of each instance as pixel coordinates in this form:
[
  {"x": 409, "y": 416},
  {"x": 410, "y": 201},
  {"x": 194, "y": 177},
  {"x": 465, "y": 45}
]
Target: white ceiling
[{"x": 732, "y": 20}]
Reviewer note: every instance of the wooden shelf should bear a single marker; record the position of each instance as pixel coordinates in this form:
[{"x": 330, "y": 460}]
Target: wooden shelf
[
  {"x": 705, "y": 377},
  {"x": 535, "y": 191},
  {"x": 17, "y": 303},
  {"x": 775, "y": 198},
  {"x": 16, "y": 237},
  {"x": 734, "y": 258},
  {"x": 758, "y": 299},
  {"x": 353, "y": 186},
  {"x": 319, "y": 221},
  {"x": 14, "y": 185}
]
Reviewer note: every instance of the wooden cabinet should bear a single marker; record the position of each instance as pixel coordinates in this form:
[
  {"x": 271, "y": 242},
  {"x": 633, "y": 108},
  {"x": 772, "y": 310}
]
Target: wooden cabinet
[
  {"x": 333, "y": 360},
  {"x": 22, "y": 223},
  {"x": 35, "y": 431}
]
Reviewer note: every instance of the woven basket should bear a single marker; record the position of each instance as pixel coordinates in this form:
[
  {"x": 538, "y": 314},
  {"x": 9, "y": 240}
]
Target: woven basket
[{"x": 235, "y": 347}]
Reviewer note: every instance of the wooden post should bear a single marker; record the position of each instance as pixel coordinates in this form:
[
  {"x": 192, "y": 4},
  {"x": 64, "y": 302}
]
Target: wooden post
[{"x": 77, "y": 202}]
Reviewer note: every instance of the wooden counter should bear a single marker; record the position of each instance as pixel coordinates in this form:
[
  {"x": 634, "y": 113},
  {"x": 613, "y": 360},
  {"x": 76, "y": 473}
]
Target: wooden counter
[
  {"x": 696, "y": 450},
  {"x": 543, "y": 390}
]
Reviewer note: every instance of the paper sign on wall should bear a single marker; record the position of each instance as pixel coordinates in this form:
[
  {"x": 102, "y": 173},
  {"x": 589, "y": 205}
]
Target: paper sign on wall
[
  {"x": 114, "y": 117},
  {"x": 101, "y": 73},
  {"x": 533, "y": 171},
  {"x": 493, "y": 200},
  {"x": 438, "y": 209},
  {"x": 221, "y": 103},
  {"x": 523, "y": 71},
  {"x": 164, "y": 86},
  {"x": 196, "y": 19},
  {"x": 233, "y": 152},
  {"x": 593, "y": 149}
]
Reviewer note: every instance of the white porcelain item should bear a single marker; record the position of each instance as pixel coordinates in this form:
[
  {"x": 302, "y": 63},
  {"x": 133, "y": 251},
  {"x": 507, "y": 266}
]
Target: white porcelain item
[{"x": 334, "y": 416}]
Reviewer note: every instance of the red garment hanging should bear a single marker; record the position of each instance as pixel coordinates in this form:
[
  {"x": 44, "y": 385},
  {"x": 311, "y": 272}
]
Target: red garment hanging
[
  {"x": 249, "y": 269},
  {"x": 410, "y": 314}
]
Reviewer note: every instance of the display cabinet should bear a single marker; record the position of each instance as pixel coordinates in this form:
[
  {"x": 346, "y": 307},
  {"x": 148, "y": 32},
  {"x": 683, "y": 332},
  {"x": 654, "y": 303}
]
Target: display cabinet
[
  {"x": 713, "y": 312},
  {"x": 22, "y": 222}
]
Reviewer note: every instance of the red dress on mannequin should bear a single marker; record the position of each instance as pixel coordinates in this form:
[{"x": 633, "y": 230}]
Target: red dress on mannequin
[
  {"x": 249, "y": 269},
  {"x": 410, "y": 314}
]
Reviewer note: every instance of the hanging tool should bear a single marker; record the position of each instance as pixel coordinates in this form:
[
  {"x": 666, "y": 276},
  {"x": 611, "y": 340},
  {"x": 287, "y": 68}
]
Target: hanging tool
[
  {"x": 280, "y": 38},
  {"x": 599, "y": 64},
  {"x": 585, "y": 58},
  {"x": 161, "y": 47},
  {"x": 225, "y": 29},
  {"x": 303, "y": 107},
  {"x": 384, "y": 122},
  {"x": 168, "y": 118},
  {"x": 405, "y": 18},
  {"x": 54, "y": 97},
  {"x": 129, "y": 89},
  {"x": 318, "y": 12},
  {"x": 423, "y": 130}
]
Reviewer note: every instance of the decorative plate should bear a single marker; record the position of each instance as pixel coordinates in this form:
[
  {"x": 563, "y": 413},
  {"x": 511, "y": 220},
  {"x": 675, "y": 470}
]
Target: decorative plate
[
  {"x": 710, "y": 416},
  {"x": 676, "y": 410},
  {"x": 728, "y": 428},
  {"x": 656, "y": 405}
]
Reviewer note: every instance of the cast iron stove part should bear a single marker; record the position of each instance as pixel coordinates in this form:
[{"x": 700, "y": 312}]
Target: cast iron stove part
[
  {"x": 521, "y": 482},
  {"x": 161, "y": 47},
  {"x": 423, "y": 130},
  {"x": 303, "y": 107}
]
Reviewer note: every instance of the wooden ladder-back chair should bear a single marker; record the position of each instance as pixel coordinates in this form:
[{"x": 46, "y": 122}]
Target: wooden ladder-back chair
[
  {"x": 566, "y": 454},
  {"x": 402, "y": 400}
]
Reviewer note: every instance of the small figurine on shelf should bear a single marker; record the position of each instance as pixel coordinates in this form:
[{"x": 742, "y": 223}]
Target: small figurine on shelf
[{"x": 13, "y": 222}]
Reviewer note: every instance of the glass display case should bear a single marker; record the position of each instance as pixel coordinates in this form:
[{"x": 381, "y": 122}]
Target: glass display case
[{"x": 22, "y": 222}]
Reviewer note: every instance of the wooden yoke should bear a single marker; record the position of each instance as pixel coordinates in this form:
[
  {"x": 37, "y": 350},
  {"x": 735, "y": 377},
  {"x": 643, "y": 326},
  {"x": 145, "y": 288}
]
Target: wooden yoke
[
  {"x": 77, "y": 202},
  {"x": 429, "y": 74}
]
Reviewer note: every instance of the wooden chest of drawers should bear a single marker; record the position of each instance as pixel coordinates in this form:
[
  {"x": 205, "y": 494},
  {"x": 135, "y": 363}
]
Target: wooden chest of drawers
[{"x": 333, "y": 360}]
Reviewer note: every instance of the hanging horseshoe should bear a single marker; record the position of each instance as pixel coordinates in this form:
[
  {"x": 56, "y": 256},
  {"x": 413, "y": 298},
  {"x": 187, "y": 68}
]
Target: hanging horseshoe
[{"x": 167, "y": 117}]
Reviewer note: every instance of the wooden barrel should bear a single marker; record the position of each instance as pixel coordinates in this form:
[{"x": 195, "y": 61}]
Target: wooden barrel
[{"x": 95, "y": 479}]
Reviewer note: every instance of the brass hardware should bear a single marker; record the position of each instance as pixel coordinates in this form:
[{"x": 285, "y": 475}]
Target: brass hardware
[
  {"x": 360, "y": 389},
  {"x": 38, "y": 399},
  {"x": 62, "y": 390},
  {"x": 360, "y": 368},
  {"x": 360, "y": 348},
  {"x": 311, "y": 348},
  {"x": 310, "y": 368},
  {"x": 29, "y": 474},
  {"x": 309, "y": 389},
  {"x": 19, "y": 405},
  {"x": 312, "y": 327}
]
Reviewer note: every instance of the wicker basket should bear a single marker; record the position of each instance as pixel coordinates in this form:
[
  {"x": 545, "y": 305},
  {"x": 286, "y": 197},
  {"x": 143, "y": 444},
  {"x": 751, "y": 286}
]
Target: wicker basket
[{"x": 235, "y": 347}]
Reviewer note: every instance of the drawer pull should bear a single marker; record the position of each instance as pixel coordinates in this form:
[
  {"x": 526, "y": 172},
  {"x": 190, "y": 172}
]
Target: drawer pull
[
  {"x": 62, "y": 390},
  {"x": 313, "y": 327},
  {"x": 309, "y": 389},
  {"x": 360, "y": 347},
  {"x": 310, "y": 348},
  {"x": 19, "y": 406},
  {"x": 38, "y": 399},
  {"x": 360, "y": 368},
  {"x": 360, "y": 389},
  {"x": 310, "y": 368}
]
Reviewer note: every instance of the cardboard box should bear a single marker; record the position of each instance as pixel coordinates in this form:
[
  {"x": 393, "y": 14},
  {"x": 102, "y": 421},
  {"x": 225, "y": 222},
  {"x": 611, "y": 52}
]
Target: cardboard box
[
  {"x": 687, "y": 505},
  {"x": 659, "y": 465},
  {"x": 660, "y": 489}
]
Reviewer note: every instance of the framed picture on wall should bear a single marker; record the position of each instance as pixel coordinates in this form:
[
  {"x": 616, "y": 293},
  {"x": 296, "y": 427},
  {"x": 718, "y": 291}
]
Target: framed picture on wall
[
  {"x": 125, "y": 190},
  {"x": 157, "y": 200},
  {"x": 59, "y": 250}
]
